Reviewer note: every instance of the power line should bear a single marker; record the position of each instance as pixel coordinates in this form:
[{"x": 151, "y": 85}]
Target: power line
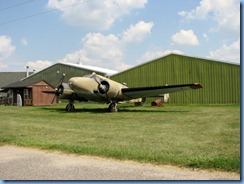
[
  {"x": 41, "y": 13},
  {"x": 16, "y": 5}
]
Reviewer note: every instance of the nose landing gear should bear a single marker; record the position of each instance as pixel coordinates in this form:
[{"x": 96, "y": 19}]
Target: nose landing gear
[
  {"x": 70, "y": 107},
  {"x": 113, "y": 107}
]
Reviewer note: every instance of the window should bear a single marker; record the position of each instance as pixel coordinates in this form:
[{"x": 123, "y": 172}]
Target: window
[
  {"x": 10, "y": 93},
  {"x": 26, "y": 94}
]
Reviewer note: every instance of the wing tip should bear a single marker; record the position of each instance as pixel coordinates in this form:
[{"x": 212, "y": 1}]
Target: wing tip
[{"x": 196, "y": 86}]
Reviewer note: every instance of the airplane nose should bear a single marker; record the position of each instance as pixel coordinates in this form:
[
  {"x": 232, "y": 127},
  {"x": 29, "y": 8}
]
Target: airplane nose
[{"x": 72, "y": 82}]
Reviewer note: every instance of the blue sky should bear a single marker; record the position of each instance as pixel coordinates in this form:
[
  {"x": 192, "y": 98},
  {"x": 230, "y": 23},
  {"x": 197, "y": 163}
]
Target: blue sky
[{"x": 115, "y": 34}]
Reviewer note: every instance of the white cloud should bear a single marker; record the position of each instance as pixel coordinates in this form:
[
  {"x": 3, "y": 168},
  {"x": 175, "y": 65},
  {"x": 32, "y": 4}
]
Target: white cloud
[
  {"x": 131, "y": 3},
  {"x": 184, "y": 37},
  {"x": 150, "y": 55},
  {"x": 99, "y": 50},
  {"x": 225, "y": 13},
  {"x": 122, "y": 66},
  {"x": 229, "y": 53},
  {"x": 137, "y": 32},
  {"x": 6, "y": 47},
  {"x": 78, "y": 57},
  {"x": 38, "y": 65},
  {"x": 107, "y": 51},
  {"x": 206, "y": 37},
  {"x": 106, "y": 47},
  {"x": 24, "y": 41},
  {"x": 3, "y": 66},
  {"x": 95, "y": 14}
]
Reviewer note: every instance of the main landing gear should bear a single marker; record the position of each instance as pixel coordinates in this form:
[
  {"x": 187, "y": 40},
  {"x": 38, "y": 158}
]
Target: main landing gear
[
  {"x": 70, "y": 107},
  {"x": 113, "y": 107}
]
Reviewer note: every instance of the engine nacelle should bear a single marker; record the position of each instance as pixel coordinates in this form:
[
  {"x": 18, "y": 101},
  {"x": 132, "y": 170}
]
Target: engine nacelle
[
  {"x": 103, "y": 87},
  {"x": 64, "y": 91},
  {"x": 110, "y": 89}
]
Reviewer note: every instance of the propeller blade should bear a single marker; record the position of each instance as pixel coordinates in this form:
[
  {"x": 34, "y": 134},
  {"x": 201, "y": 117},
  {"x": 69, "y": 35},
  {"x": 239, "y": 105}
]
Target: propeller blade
[
  {"x": 57, "y": 89},
  {"x": 53, "y": 99},
  {"x": 97, "y": 79},
  {"x": 61, "y": 79},
  {"x": 49, "y": 92}
]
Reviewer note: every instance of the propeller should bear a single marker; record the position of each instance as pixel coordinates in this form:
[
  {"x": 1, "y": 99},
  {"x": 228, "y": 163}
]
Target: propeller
[
  {"x": 59, "y": 89},
  {"x": 103, "y": 86}
]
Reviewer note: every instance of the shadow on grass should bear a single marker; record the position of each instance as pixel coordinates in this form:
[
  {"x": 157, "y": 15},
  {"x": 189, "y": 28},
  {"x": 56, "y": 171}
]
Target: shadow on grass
[{"x": 120, "y": 110}]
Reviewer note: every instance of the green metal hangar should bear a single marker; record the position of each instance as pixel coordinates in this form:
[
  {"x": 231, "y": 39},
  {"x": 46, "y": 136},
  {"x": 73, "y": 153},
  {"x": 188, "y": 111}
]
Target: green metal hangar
[
  {"x": 220, "y": 80},
  {"x": 53, "y": 74},
  {"x": 30, "y": 88}
]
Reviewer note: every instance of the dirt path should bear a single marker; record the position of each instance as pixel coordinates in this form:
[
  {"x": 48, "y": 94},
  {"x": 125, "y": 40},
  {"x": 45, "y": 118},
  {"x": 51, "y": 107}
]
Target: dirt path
[{"x": 18, "y": 163}]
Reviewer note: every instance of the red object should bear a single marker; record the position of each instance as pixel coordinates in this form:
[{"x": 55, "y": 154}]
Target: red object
[{"x": 157, "y": 103}]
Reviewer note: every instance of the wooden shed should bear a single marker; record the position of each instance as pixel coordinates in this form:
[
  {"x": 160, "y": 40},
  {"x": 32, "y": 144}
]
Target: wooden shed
[{"x": 31, "y": 93}]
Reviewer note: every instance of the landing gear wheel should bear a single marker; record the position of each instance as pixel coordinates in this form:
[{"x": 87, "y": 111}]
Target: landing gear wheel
[
  {"x": 70, "y": 108},
  {"x": 113, "y": 107}
]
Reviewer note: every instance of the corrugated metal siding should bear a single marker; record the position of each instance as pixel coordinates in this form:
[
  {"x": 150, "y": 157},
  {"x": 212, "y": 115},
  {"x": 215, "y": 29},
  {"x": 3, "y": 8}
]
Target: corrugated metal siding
[
  {"x": 53, "y": 74},
  {"x": 220, "y": 81}
]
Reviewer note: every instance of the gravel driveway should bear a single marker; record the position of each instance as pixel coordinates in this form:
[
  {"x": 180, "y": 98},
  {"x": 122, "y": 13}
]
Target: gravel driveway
[{"x": 18, "y": 163}]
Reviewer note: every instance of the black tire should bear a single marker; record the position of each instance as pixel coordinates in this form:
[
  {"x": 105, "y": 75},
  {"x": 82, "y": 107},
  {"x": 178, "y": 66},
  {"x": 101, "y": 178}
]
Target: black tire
[
  {"x": 113, "y": 107},
  {"x": 70, "y": 108}
]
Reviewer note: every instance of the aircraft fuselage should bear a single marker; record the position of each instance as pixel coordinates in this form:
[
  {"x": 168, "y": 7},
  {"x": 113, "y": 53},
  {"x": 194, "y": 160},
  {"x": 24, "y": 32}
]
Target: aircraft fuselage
[{"x": 89, "y": 88}]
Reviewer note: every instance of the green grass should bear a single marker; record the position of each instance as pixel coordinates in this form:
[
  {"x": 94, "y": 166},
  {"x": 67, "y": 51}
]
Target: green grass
[{"x": 206, "y": 137}]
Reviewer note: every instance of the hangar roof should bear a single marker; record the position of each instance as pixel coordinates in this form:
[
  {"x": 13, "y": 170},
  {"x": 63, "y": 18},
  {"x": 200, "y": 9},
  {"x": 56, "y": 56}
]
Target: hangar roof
[
  {"x": 85, "y": 67},
  {"x": 178, "y": 55},
  {"x": 92, "y": 68}
]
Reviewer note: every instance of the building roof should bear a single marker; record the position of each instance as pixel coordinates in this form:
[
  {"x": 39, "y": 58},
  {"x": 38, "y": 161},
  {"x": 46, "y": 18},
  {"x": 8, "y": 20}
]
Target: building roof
[
  {"x": 23, "y": 84},
  {"x": 225, "y": 62},
  {"x": 10, "y": 77},
  {"x": 92, "y": 68},
  {"x": 85, "y": 67}
]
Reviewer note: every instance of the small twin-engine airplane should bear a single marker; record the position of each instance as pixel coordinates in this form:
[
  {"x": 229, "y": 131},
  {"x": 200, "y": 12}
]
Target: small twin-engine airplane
[{"x": 97, "y": 88}]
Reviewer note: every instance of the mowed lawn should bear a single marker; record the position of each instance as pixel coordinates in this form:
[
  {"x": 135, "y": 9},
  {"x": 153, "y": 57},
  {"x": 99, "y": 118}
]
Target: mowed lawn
[{"x": 197, "y": 136}]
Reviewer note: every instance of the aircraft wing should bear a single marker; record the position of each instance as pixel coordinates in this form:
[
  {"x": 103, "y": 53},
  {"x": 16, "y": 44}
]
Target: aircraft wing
[{"x": 154, "y": 91}]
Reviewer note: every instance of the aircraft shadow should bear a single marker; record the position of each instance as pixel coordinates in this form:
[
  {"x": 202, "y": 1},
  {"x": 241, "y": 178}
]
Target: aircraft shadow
[{"x": 120, "y": 110}]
